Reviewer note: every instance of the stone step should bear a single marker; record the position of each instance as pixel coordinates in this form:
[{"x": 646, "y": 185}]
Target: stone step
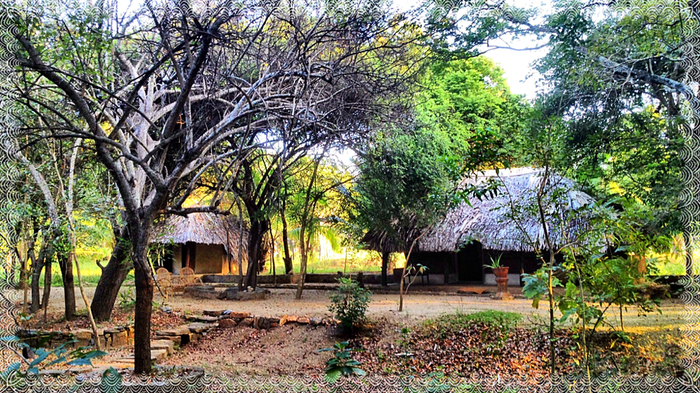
[
  {"x": 178, "y": 331},
  {"x": 213, "y": 313},
  {"x": 159, "y": 354},
  {"x": 202, "y": 318},
  {"x": 168, "y": 345},
  {"x": 199, "y": 327}
]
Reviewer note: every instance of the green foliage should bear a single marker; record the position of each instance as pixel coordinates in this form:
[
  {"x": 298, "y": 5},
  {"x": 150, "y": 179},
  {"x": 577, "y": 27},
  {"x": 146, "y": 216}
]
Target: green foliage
[
  {"x": 469, "y": 104},
  {"x": 495, "y": 263},
  {"x": 349, "y": 303},
  {"x": 127, "y": 300},
  {"x": 450, "y": 323},
  {"x": 341, "y": 364},
  {"x": 45, "y": 358}
]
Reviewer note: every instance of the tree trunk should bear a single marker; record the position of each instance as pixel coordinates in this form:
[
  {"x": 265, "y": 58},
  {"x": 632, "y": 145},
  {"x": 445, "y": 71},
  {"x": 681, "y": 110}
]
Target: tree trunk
[
  {"x": 144, "y": 303},
  {"x": 113, "y": 275},
  {"x": 37, "y": 266},
  {"x": 64, "y": 263},
  {"x": 385, "y": 267},
  {"x": 48, "y": 276},
  {"x": 255, "y": 251},
  {"x": 288, "y": 268},
  {"x": 303, "y": 246}
]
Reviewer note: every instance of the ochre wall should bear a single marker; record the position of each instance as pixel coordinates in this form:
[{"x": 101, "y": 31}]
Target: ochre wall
[
  {"x": 177, "y": 258},
  {"x": 209, "y": 259}
]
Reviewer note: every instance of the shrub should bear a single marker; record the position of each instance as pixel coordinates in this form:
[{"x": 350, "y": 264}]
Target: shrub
[
  {"x": 341, "y": 363},
  {"x": 349, "y": 303}
]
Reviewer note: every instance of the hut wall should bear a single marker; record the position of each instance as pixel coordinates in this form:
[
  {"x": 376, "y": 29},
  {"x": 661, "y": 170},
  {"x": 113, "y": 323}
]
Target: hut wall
[
  {"x": 209, "y": 259},
  {"x": 439, "y": 264},
  {"x": 177, "y": 258}
]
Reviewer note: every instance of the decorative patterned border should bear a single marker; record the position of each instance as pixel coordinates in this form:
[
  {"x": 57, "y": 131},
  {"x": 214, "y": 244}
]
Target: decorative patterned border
[{"x": 9, "y": 215}]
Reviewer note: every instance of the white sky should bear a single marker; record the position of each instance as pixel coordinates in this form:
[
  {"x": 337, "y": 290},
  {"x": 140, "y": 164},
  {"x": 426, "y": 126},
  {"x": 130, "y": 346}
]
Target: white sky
[{"x": 515, "y": 64}]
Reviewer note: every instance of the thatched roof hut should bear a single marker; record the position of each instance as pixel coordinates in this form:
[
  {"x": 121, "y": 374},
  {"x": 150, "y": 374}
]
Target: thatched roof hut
[
  {"x": 203, "y": 241},
  {"x": 490, "y": 220},
  {"x": 505, "y": 222}
]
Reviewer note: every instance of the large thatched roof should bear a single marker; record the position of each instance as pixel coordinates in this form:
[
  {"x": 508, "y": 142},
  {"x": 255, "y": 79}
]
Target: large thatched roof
[
  {"x": 203, "y": 228},
  {"x": 491, "y": 222}
]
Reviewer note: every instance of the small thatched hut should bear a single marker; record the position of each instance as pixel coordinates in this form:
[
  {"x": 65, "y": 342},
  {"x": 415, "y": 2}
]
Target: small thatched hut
[
  {"x": 206, "y": 242},
  {"x": 457, "y": 247}
]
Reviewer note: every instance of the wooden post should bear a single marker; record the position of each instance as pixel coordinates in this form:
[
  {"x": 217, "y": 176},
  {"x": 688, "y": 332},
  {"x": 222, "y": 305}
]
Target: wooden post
[
  {"x": 522, "y": 270},
  {"x": 185, "y": 251}
]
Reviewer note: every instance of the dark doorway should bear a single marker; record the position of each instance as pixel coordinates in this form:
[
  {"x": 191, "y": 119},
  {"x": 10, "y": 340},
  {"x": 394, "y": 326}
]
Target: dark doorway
[
  {"x": 189, "y": 255},
  {"x": 469, "y": 263}
]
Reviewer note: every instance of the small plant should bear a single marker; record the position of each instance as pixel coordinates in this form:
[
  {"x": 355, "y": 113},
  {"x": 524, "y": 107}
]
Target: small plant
[
  {"x": 341, "y": 363},
  {"x": 127, "y": 300},
  {"x": 495, "y": 263},
  {"x": 59, "y": 355},
  {"x": 349, "y": 303}
]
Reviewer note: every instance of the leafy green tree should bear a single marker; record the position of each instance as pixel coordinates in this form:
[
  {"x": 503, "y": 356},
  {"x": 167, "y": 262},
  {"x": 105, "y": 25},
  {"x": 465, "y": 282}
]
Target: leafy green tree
[{"x": 468, "y": 103}]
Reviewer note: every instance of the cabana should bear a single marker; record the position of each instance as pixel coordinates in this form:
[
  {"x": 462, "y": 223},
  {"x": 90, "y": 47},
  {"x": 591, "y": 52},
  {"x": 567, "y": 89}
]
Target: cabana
[
  {"x": 208, "y": 243},
  {"x": 457, "y": 247}
]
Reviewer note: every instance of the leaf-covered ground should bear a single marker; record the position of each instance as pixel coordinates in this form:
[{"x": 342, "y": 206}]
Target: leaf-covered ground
[
  {"x": 456, "y": 344},
  {"x": 485, "y": 344},
  {"x": 120, "y": 317}
]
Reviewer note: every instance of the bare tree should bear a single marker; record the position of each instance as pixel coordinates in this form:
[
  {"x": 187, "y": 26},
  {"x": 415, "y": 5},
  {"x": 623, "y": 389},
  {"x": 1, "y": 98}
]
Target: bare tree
[{"x": 172, "y": 93}]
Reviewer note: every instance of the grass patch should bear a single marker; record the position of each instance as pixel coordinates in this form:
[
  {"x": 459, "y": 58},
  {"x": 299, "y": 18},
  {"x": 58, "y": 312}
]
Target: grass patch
[{"x": 448, "y": 324}]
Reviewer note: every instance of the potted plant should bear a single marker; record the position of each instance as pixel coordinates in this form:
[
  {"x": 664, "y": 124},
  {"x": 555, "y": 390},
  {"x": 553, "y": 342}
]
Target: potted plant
[
  {"x": 501, "y": 273},
  {"x": 495, "y": 265}
]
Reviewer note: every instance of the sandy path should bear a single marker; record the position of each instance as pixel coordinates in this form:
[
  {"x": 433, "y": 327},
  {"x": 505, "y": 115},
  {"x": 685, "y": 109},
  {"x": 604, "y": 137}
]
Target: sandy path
[{"x": 417, "y": 306}]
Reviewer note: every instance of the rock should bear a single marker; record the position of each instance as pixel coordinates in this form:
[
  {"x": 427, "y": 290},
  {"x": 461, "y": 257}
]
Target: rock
[
  {"x": 227, "y": 323},
  {"x": 286, "y": 319},
  {"x": 166, "y": 310},
  {"x": 83, "y": 335},
  {"x": 195, "y": 336},
  {"x": 261, "y": 323},
  {"x": 159, "y": 354},
  {"x": 213, "y": 313},
  {"x": 234, "y": 294},
  {"x": 176, "y": 340},
  {"x": 202, "y": 318},
  {"x": 199, "y": 327},
  {"x": 229, "y": 293},
  {"x": 202, "y": 291},
  {"x": 274, "y": 320},
  {"x": 315, "y": 321},
  {"x": 167, "y": 345},
  {"x": 239, "y": 315},
  {"x": 303, "y": 320},
  {"x": 116, "y": 338},
  {"x": 52, "y": 373},
  {"x": 246, "y": 322},
  {"x": 178, "y": 331}
]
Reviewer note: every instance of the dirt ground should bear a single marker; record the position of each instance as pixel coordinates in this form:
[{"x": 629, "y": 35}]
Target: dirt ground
[
  {"x": 293, "y": 349},
  {"x": 417, "y": 306}
]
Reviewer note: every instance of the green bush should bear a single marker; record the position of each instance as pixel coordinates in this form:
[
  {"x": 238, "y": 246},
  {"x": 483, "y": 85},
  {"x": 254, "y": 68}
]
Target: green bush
[{"x": 349, "y": 303}]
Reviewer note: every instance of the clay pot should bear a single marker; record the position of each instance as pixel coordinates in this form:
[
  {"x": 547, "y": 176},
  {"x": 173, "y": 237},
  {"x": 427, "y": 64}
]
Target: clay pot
[
  {"x": 501, "y": 274},
  {"x": 501, "y": 271}
]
